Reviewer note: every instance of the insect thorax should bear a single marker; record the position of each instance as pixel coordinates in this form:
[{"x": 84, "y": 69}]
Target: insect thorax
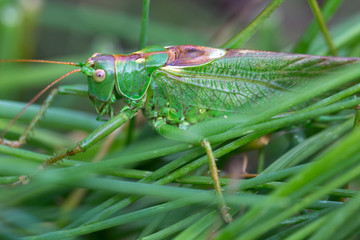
[{"x": 159, "y": 105}]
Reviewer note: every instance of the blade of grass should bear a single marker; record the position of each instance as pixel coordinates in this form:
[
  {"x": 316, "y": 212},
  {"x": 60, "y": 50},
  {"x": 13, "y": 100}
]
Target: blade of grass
[
  {"x": 349, "y": 230},
  {"x": 321, "y": 21},
  {"x": 332, "y": 162},
  {"x": 176, "y": 174},
  {"x": 334, "y": 98},
  {"x": 333, "y": 224},
  {"x": 144, "y": 23},
  {"x": 305, "y": 224},
  {"x": 8, "y": 180},
  {"x": 344, "y": 193},
  {"x": 254, "y": 233},
  {"x": 107, "y": 210},
  {"x": 112, "y": 222},
  {"x": 193, "y": 231},
  {"x": 305, "y": 41},
  {"x": 46, "y": 138},
  {"x": 54, "y": 117},
  {"x": 239, "y": 39},
  {"x": 168, "y": 231},
  {"x": 152, "y": 226},
  {"x": 142, "y": 44},
  {"x": 282, "y": 122},
  {"x": 309, "y": 146},
  {"x": 115, "y": 203},
  {"x": 344, "y": 35},
  {"x": 23, "y": 220}
]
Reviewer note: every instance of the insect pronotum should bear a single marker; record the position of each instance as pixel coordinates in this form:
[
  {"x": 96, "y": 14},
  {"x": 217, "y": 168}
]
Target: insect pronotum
[{"x": 180, "y": 86}]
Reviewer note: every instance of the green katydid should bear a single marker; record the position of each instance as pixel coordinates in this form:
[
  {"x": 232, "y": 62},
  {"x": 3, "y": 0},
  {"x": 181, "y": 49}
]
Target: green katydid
[{"x": 180, "y": 86}]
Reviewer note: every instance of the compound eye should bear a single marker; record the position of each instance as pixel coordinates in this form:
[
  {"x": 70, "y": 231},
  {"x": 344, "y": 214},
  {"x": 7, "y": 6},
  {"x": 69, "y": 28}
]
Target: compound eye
[{"x": 99, "y": 75}]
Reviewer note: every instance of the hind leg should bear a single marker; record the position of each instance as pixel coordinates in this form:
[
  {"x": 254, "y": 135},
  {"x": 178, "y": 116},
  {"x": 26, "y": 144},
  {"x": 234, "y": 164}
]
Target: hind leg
[{"x": 175, "y": 133}]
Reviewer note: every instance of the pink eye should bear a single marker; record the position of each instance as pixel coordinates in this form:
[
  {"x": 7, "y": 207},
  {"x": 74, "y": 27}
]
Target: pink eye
[{"x": 99, "y": 75}]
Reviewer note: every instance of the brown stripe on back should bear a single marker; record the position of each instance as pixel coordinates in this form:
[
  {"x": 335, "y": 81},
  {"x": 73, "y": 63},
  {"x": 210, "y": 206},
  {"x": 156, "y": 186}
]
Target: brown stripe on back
[{"x": 188, "y": 55}]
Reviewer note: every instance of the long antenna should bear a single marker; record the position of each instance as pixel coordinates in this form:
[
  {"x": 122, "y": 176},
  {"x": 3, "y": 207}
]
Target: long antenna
[
  {"x": 39, "y": 61},
  {"x": 34, "y": 99}
]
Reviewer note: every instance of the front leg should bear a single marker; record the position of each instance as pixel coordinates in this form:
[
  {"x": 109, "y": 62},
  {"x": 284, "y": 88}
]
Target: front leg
[
  {"x": 173, "y": 132},
  {"x": 95, "y": 136}
]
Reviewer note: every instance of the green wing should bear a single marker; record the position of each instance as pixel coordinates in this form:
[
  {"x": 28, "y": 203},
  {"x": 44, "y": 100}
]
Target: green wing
[{"x": 239, "y": 77}]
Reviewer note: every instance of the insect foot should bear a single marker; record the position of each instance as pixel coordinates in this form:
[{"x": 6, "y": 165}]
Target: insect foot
[
  {"x": 226, "y": 215},
  {"x": 23, "y": 179},
  {"x": 13, "y": 144},
  {"x": 59, "y": 157}
]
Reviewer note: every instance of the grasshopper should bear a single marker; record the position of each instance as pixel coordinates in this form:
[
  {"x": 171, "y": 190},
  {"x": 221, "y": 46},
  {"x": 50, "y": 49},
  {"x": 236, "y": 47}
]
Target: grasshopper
[{"x": 177, "y": 87}]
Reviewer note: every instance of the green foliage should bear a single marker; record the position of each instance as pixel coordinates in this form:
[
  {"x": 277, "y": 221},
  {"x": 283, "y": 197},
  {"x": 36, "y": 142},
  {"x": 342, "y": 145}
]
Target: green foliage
[{"x": 155, "y": 188}]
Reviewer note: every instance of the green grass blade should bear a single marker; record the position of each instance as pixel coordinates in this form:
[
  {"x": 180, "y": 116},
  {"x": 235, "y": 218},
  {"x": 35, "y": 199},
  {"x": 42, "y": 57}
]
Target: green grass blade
[
  {"x": 321, "y": 21},
  {"x": 344, "y": 150},
  {"x": 335, "y": 219},
  {"x": 344, "y": 34},
  {"x": 309, "y": 147},
  {"x": 305, "y": 41},
  {"x": 55, "y": 117},
  {"x": 144, "y": 23},
  {"x": 167, "y": 232},
  {"x": 196, "y": 229},
  {"x": 239, "y": 39},
  {"x": 112, "y": 222}
]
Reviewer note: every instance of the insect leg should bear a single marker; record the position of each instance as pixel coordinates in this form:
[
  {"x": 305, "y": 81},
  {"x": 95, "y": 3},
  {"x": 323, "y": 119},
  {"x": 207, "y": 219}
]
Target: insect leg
[
  {"x": 95, "y": 136},
  {"x": 175, "y": 133},
  {"x": 214, "y": 173},
  {"x": 59, "y": 90}
]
